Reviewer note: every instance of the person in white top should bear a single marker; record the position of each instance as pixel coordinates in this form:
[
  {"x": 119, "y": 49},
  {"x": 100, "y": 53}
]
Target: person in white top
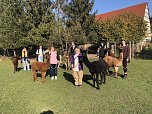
[
  {"x": 40, "y": 53},
  {"x": 77, "y": 67}
]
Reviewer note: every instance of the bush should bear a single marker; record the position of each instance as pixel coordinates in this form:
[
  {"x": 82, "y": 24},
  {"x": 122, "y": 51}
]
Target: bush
[{"x": 146, "y": 53}]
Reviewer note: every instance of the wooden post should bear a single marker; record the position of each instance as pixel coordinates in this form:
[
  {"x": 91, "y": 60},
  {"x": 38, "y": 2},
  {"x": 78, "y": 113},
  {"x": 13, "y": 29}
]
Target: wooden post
[
  {"x": 115, "y": 49},
  {"x": 130, "y": 49},
  {"x": 133, "y": 49},
  {"x": 107, "y": 47}
]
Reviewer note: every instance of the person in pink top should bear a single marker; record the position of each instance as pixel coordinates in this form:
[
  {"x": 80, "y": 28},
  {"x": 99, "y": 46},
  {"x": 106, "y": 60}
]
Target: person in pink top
[{"x": 54, "y": 59}]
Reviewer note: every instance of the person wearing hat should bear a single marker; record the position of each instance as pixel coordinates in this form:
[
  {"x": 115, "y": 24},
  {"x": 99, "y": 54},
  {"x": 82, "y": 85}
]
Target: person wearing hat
[{"x": 126, "y": 57}]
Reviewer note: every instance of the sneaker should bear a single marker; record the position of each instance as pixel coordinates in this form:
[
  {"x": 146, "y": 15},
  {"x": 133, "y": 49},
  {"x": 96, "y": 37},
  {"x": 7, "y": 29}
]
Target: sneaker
[
  {"x": 55, "y": 77},
  {"x": 52, "y": 78},
  {"x": 125, "y": 76},
  {"x": 80, "y": 85}
]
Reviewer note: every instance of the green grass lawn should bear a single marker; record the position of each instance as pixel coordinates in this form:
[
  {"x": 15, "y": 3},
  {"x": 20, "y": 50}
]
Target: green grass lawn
[{"x": 20, "y": 95}]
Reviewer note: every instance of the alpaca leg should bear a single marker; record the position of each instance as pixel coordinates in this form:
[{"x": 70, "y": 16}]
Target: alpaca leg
[
  {"x": 116, "y": 71},
  {"x": 108, "y": 71},
  {"x": 97, "y": 81},
  {"x": 17, "y": 68},
  {"x": 33, "y": 74},
  {"x": 66, "y": 66},
  {"x": 93, "y": 78},
  {"x": 43, "y": 76},
  {"x": 104, "y": 78},
  {"x": 101, "y": 79},
  {"x": 14, "y": 68}
]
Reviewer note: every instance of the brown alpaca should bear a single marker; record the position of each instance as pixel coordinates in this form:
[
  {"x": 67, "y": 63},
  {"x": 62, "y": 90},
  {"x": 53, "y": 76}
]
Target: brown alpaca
[
  {"x": 42, "y": 67},
  {"x": 114, "y": 62},
  {"x": 15, "y": 63},
  {"x": 66, "y": 60}
]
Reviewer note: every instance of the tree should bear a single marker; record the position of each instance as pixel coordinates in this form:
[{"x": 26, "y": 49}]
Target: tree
[
  {"x": 10, "y": 23},
  {"x": 41, "y": 21},
  {"x": 78, "y": 14},
  {"x": 127, "y": 26}
]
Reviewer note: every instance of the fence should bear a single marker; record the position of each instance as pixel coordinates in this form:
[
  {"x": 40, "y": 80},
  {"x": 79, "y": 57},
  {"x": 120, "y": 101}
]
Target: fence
[{"x": 135, "y": 48}]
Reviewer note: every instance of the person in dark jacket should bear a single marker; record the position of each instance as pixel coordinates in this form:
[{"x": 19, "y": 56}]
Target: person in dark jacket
[{"x": 126, "y": 57}]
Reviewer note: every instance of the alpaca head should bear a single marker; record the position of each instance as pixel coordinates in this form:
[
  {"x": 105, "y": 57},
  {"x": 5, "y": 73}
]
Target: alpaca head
[{"x": 85, "y": 46}]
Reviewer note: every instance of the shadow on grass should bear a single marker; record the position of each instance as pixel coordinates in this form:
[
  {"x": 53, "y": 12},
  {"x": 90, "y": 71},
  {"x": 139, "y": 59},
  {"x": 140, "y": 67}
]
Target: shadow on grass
[
  {"x": 112, "y": 74},
  {"x": 19, "y": 69},
  {"x": 86, "y": 78},
  {"x": 68, "y": 77},
  {"x": 47, "y": 73},
  {"x": 47, "y": 112}
]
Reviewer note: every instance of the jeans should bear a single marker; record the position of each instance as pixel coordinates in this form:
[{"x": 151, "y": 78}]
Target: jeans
[
  {"x": 26, "y": 64},
  {"x": 53, "y": 70},
  {"x": 40, "y": 58}
]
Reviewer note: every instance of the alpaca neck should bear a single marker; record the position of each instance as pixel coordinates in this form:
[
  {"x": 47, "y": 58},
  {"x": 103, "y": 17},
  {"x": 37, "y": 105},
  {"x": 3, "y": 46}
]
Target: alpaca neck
[
  {"x": 85, "y": 59},
  {"x": 48, "y": 62}
]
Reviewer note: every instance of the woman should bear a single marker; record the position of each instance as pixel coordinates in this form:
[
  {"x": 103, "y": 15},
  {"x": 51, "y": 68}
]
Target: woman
[
  {"x": 77, "y": 67},
  {"x": 54, "y": 60},
  {"x": 40, "y": 54},
  {"x": 25, "y": 59}
]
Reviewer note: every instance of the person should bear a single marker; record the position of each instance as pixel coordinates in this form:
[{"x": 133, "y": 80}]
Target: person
[
  {"x": 25, "y": 59},
  {"x": 40, "y": 54},
  {"x": 54, "y": 60},
  {"x": 102, "y": 51},
  {"x": 77, "y": 67},
  {"x": 72, "y": 49},
  {"x": 126, "y": 57},
  {"x": 98, "y": 51}
]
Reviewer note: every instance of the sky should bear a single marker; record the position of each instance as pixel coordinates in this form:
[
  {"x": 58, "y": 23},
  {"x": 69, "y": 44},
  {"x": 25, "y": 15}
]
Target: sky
[{"x": 103, "y": 6}]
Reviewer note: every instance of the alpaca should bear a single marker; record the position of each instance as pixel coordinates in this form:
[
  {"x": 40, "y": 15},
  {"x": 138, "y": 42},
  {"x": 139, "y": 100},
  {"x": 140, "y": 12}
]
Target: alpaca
[
  {"x": 66, "y": 60},
  {"x": 96, "y": 68},
  {"x": 114, "y": 62},
  {"x": 15, "y": 63},
  {"x": 42, "y": 67}
]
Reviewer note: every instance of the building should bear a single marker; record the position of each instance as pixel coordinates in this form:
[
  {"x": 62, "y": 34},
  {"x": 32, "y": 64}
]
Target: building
[{"x": 141, "y": 10}]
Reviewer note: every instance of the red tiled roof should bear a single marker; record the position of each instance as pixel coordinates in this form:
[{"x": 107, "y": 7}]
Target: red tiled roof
[{"x": 137, "y": 9}]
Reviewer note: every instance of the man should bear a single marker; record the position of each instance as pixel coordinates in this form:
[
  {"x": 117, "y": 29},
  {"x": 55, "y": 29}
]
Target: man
[
  {"x": 126, "y": 57},
  {"x": 40, "y": 53}
]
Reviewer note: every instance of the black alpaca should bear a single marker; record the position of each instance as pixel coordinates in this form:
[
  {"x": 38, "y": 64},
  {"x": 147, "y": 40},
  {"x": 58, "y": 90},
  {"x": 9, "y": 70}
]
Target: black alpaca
[{"x": 96, "y": 68}]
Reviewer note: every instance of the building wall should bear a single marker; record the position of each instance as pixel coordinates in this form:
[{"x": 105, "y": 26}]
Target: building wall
[{"x": 147, "y": 19}]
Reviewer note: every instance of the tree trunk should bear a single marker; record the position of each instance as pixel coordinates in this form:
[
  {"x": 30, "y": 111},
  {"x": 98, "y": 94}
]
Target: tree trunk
[
  {"x": 115, "y": 49},
  {"x": 130, "y": 49},
  {"x": 133, "y": 49}
]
